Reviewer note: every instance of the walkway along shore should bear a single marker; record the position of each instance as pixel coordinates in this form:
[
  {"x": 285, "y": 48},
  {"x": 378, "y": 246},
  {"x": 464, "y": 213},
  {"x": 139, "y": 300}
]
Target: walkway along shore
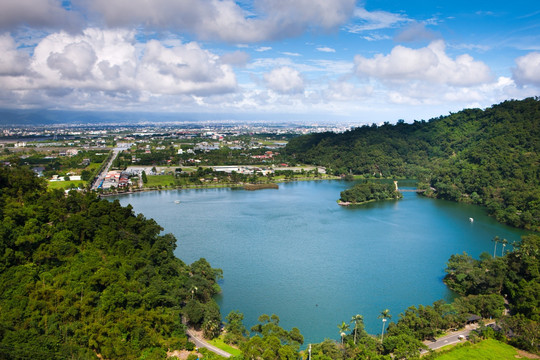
[{"x": 201, "y": 343}]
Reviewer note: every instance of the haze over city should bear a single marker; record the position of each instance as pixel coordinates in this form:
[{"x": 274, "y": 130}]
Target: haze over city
[{"x": 342, "y": 60}]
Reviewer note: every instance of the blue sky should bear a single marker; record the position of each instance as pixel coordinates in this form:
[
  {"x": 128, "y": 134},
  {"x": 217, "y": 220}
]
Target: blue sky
[{"x": 340, "y": 60}]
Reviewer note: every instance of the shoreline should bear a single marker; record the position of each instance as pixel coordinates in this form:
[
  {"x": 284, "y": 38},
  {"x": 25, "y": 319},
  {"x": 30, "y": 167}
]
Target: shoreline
[
  {"x": 235, "y": 186},
  {"x": 212, "y": 186}
]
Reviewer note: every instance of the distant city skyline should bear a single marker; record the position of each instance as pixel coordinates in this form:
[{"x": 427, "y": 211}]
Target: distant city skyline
[{"x": 340, "y": 60}]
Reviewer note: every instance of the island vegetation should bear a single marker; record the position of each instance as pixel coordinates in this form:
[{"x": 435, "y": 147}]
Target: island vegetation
[
  {"x": 367, "y": 192},
  {"x": 486, "y": 157}
]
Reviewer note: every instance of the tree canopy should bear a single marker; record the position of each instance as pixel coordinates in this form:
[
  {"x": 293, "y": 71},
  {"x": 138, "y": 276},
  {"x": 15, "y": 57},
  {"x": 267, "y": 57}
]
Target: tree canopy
[{"x": 80, "y": 276}]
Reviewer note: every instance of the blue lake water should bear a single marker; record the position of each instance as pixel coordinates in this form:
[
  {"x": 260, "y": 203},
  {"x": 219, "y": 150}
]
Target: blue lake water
[{"x": 294, "y": 252}]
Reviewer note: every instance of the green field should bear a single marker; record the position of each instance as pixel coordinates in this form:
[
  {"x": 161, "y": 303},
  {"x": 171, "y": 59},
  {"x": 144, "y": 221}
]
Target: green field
[
  {"x": 489, "y": 349},
  {"x": 64, "y": 184},
  {"x": 218, "y": 342},
  {"x": 159, "y": 180}
]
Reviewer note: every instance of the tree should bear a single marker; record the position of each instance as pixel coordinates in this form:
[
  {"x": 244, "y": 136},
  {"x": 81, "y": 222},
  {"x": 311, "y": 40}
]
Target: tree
[
  {"x": 235, "y": 331},
  {"x": 143, "y": 177},
  {"x": 358, "y": 321},
  {"x": 272, "y": 341},
  {"x": 385, "y": 315},
  {"x": 495, "y": 240},
  {"x": 504, "y": 242},
  {"x": 343, "y": 327}
]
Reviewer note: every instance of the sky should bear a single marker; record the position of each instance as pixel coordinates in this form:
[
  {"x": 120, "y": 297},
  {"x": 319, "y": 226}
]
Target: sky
[{"x": 323, "y": 60}]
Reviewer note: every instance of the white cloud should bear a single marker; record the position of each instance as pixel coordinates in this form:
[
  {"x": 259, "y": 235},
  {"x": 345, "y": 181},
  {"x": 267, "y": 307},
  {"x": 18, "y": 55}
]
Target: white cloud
[
  {"x": 109, "y": 61},
  {"x": 528, "y": 69},
  {"x": 326, "y": 49},
  {"x": 37, "y": 14},
  {"x": 225, "y": 19},
  {"x": 284, "y": 80},
  {"x": 430, "y": 64},
  {"x": 184, "y": 69},
  {"x": 375, "y": 20},
  {"x": 12, "y": 62},
  {"x": 287, "y": 53},
  {"x": 376, "y": 37},
  {"x": 263, "y": 48}
]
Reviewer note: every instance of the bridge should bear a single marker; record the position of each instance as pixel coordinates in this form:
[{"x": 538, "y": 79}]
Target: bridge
[{"x": 410, "y": 190}]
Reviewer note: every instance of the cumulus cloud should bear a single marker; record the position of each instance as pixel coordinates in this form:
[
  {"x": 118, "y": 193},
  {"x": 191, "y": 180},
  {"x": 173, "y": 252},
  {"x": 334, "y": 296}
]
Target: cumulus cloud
[
  {"x": 109, "y": 61},
  {"x": 528, "y": 69},
  {"x": 37, "y": 14},
  {"x": 184, "y": 69},
  {"x": 225, "y": 19},
  {"x": 284, "y": 80},
  {"x": 12, "y": 62},
  {"x": 430, "y": 64}
]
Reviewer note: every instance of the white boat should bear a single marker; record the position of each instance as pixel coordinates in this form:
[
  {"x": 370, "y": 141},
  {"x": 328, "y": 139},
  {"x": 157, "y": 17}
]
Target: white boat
[{"x": 177, "y": 201}]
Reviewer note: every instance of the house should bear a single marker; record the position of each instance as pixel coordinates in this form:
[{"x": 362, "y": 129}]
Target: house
[{"x": 472, "y": 319}]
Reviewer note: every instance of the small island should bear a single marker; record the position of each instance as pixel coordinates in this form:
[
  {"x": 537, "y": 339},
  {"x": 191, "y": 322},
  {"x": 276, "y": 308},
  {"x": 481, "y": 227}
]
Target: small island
[
  {"x": 261, "y": 186},
  {"x": 367, "y": 192}
]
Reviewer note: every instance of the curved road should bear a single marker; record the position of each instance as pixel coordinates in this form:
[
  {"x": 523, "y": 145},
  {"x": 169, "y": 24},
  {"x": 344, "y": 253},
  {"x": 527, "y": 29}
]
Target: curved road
[
  {"x": 201, "y": 343},
  {"x": 452, "y": 338}
]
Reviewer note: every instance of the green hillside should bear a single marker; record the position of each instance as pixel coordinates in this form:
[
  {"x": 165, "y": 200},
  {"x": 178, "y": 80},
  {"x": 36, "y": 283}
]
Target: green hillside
[
  {"x": 487, "y": 157},
  {"x": 80, "y": 276}
]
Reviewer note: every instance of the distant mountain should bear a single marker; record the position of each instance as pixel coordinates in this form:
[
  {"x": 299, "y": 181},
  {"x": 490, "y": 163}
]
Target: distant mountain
[
  {"x": 60, "y": 117},
  {"x": 489, "y": 157}
]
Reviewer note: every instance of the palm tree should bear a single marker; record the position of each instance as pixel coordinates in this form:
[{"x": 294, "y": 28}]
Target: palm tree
[
  {"x": 343, "y": 327},
  {"x": 358, "y": 323},
  {"x": 385, "y": 315},
  {"x": 503, "y": 242},
  {"x": 496, "y": 240},
  {"x": 193, "y": 290}
]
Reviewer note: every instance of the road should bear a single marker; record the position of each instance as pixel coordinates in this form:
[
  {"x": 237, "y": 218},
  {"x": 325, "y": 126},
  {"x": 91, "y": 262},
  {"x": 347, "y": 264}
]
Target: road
[
  {"x": 201, "y": 343},
  {"x": 452, "y": 338},
  {"x": 101, "y": 175}
]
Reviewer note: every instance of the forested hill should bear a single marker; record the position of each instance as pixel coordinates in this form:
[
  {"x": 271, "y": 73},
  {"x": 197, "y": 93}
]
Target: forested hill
[
  {"x": 488, "y": 157},
  {"x": 80, "y": 276}
]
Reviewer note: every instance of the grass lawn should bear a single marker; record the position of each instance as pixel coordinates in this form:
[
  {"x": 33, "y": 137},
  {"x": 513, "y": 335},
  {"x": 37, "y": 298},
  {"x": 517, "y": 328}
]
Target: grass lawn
[
  {"x": 218, "y": 342},
  {"x": 157, "y": 180},
  {"x": 489, "y": 349},
  {"x": 64, "y": 184}
]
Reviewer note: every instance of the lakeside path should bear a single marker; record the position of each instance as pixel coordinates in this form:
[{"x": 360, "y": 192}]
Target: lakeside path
[
  {"x": 452, "y": 338},
  {"x": 201, "y": 343}
]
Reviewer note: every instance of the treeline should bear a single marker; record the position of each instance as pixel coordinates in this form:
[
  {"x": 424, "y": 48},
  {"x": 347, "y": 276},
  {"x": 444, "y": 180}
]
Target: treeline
[
  {"x": 487, "y": 157},
  {"x": 516, "y": 276},
  {"x": 80, "y": 276},
  {"x": 369, "y": 191}
]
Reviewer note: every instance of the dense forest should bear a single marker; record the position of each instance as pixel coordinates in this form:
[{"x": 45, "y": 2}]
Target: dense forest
[
  {"x": 515, "y": 275},
  {"x": 80, "y": 276},
  {"x": 487, "y": 157}
]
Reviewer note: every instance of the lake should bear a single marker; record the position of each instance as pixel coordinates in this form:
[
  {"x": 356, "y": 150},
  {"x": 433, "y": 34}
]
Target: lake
[{"x": 294, "y": 252}]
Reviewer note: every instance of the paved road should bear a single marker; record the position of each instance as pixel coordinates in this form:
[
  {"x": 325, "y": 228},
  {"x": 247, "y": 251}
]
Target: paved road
[
  {"x": 452, "y": 338},
  {"x": 101, "y": 176},
  {"x": 201, "y": 343}
]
